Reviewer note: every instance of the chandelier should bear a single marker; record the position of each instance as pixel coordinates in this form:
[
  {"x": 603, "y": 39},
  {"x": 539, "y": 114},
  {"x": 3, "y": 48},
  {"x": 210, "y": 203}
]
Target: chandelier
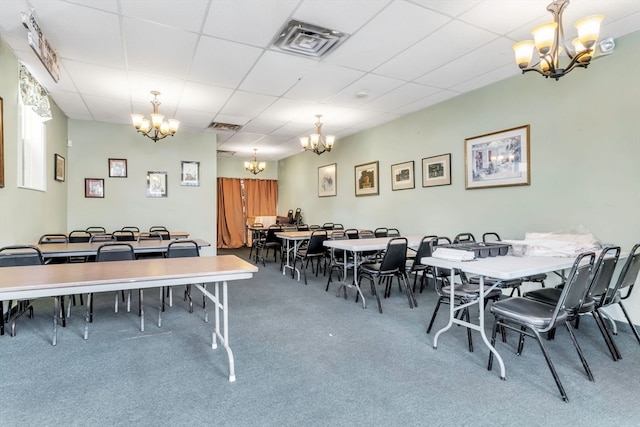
[
  {"x": 316, "y": 142},
  {"x": 253, "y": 166},
  {"x": 549, "y": 42},
  {"x": 156, "y": 128}
]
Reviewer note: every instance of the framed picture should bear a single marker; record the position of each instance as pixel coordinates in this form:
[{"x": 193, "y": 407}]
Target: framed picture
[
  {"x": 402, "y": 177},
  {"x": 94, "y": 187},
  {"x": 156, "y": 184},
  {"x": 190, "y": 174},
  {"x": 1, "y": 145},
  {"x": 436, "y": 170},
  {"x": 59, "y": 167},
  {"x": 367, "y": 179},
  {"x": 117, "y": 168},
  {"x": 327, "y": 184},
  {"x": 499, "y": 159}
]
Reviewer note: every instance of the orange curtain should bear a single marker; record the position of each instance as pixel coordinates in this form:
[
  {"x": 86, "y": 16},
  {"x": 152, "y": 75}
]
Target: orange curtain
[
  {"x": 230, "y": 219},
  {"x": 261, "y": 196}
]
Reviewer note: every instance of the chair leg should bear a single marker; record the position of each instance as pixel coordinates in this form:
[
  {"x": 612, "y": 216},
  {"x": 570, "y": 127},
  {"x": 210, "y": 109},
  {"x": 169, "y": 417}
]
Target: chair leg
[
  {"x": 493, "y": 343},
  {"x": 551, "y": 367},
  {"x": 579, "y": 350},
  {"x": 374, "y": 289},
  {"x": 633, "y": 328},
  {"x": 469, "y": 338},
  {"x": 435, "y": 312},
  {"x": 613, "y": 349}
]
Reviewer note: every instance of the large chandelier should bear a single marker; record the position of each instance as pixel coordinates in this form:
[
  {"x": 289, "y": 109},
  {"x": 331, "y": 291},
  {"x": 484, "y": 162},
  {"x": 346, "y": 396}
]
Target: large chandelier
[
  {"x": 316, "y": 142},
  {"x": 253, "y": 166},
  {"x": 549, "y": 43},
  {"x": 156, "y": 128}
]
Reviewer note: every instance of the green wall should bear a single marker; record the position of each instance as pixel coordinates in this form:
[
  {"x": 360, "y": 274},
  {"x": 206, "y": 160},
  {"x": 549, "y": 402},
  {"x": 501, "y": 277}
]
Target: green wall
[
  {"x": 191, "y": 209},
  {"x": 585, "y": 157},
  {"x": 25, "y": 214}
]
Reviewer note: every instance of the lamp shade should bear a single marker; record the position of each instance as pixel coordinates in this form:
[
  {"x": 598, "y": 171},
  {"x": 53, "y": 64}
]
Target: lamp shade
[
  {"x": 524, "y": 52},
  {"x": 545, "y": 36},
  {"x": 589, "y": 30}
]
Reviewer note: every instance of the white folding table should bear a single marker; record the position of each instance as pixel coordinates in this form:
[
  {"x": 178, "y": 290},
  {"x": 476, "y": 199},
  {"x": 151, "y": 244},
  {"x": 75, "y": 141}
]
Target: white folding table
[
  {"x": 292, "y": 238},
  {"x": 55, "y": 280},
  {"x": 357, "y": 246},
  {"x": 500, "y": 267}
]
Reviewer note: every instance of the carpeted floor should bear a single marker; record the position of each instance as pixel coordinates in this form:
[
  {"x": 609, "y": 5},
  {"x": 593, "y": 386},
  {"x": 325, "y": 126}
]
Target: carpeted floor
[{"x": 304, "y": 357}]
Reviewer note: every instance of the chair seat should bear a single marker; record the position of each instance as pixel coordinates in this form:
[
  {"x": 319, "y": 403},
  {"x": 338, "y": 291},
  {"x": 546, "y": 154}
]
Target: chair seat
[
  {"x": 513, "y": 283},
  {"x": 545, "y": 295},
  {"x": 470, "y": 292},
  {"x": 374, "y": 268},
  {"x": 527, "y": 311}
]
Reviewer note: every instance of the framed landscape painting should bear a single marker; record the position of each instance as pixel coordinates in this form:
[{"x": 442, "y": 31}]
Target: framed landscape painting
[
  {"x": 436, "y": 170},
  {"x": 327, "y": 185},
  {"x": 367, "y": 179},
  {"x": 402, "y": 176},
  {"x": 498, "y": 159}
]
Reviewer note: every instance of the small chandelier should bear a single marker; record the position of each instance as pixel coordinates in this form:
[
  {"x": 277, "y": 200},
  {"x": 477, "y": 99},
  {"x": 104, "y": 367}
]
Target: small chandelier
[
  {"x": 316, "y": 142},
  {"x": 253, "y": 166},
  {"x": 549, "y": 43},
  {"x": 156, "y": 128}
]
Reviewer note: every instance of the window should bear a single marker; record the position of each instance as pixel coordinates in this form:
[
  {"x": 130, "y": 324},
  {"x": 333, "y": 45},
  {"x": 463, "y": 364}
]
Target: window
[
  {"x": 33, "y": 111},
  {"x": 31, "y": 153}
]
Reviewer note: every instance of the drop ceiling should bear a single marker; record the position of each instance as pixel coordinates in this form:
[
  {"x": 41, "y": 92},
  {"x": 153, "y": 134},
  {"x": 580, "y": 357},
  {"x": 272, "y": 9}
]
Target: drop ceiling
[{"x": 214, "y": 60}]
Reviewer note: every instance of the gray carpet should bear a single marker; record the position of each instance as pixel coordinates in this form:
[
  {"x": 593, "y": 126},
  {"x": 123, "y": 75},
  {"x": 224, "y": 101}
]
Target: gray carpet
[{"x": 303, "y": 357}]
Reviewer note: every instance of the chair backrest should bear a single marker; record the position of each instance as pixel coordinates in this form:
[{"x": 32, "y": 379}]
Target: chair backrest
[
  {"x": 464, "y": 238},
  {"x": 158, "y": 228},
  {"x": 18, "y": 255},
  {"x": 115, "y": 252},
  {"x": 131, "y": 228},
  {"x": 290, "y": 227},
  {"x": 393, "y": 232},
  {"x": 316, "y": 241},
  {"x": 338, "y": 227},
  {"x": 338, "y": 235},
  {"x": 271, "y": 234},
  {"x": 102, "y": 237},
  {"x": 124, "y": 236},
  {"x": 143, "y": 235},
  {"x": 53, "y": 238},
  {"x": 79, "y": 236},
  {"x": 314, "y": 227},
  {"x": 575, "y": 288},
  {"x": 443, "y": 273},
  {"x": 302, "y": 227},
  {"x": 425, "y": 249},
  {"x": 381, "y": 232},
  {"x": 297, "y": 218},
  {"x": 627, "y": 278},
  {"x": 491, "y": 236},
  {"x": 328, "y": 226},
  {"x": 603, "y": 269},
  {"x": 366, "y": 234},
  {"x": 164, "y": 234},
  {"x": 183, "y": 249},
  {"x": 352, "y": 233},
  {"x": 395, "y": 256},
  {"x": 96, "y": 230}
]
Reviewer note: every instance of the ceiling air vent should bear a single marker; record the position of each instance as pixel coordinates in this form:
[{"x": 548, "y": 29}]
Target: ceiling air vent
[
  {"x": 224, "y": 126},
  {"x": 225, "y": 153},
  {"x": 307, "y": 39}
]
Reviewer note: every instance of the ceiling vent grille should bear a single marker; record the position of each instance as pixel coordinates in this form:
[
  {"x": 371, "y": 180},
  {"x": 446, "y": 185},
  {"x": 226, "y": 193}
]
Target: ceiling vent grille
[
  {"x": 224, "y": 126},
  {"x": 305, "y": 39},
  {"x": 225, "y": 153}
]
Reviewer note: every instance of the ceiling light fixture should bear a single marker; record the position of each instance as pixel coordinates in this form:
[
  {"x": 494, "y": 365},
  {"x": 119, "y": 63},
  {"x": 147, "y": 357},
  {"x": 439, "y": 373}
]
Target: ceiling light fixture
[
  {"x": 156, "y": 128},
  {"x": 549, "y": 43},
  {"x": 253, "y": 166},
  {"x": 316, "y": 142}
]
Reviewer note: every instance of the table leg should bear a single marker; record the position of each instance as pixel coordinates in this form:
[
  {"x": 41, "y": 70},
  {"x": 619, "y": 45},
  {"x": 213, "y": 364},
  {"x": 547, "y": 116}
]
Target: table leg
[
  {"x": 56, "y": 305},
  {"x": 221, "y": 329},
  {"x": 482, "y": 331},
  {"x": 451, "y": 310}
]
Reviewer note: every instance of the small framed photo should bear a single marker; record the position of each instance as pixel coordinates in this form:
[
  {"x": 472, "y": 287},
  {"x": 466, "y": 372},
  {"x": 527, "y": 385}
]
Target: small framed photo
[
  {"x": 156, "y": 184},
  {"x": 190, "y": 173},
  {"x": 402, "y": 177},
  {"x": 59, "y": 167},
  {"x": 436, "y": 170},
  {"x": 117, "y": 168},
  {"x": 498, "y": 159},
  {"x": 327, "y": 184},
  {"x": 367, "y": 179},
  {"x": 94, "y": 187}
]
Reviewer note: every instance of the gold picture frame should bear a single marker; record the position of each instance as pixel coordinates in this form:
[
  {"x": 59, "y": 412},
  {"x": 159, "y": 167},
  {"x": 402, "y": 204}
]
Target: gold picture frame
[
  {"x": 327, "y": 180},
  {"x": 402, "y": 176},
  {"x": 367, "y": 179},
  {"x": 436, "y": 170},
  {"x": 59, "y": 167},
  {"x": 498, "y": 159}
]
